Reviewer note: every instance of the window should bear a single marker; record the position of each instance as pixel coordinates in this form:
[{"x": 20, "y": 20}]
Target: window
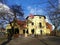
[
  {"x": 40, "y": 25},
  {"x": 32, "y": 23},
  {"x": 39, "y": 17}
]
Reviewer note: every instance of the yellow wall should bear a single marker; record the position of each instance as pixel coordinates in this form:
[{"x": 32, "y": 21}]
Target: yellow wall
[{"x": 36, "y": 20}]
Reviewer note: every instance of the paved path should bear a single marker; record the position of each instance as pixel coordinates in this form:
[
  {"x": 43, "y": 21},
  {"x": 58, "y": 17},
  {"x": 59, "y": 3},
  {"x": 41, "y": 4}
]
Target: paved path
[
  {"x": 42, "y": 40},
  {"x": 50, "y": 40}
]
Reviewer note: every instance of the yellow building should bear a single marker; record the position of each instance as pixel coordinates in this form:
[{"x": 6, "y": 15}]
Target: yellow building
[
  {"x": 37, "y": 25},
  {"x": 19, "y": 28}
]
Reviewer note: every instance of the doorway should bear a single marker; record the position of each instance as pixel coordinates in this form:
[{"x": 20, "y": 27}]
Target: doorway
[
  {"x": 23, "y": 31},
  {"x": 27, "y": 31},
  {"x": 41, "y": 32},
  {"x": 16, "y": 31},
  {"x": 32, "y": 31}
]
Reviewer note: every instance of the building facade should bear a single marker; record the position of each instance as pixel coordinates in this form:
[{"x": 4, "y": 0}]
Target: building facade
[
  {"x": 34, "y": 24},
  {"x": 37, "y": 25}
]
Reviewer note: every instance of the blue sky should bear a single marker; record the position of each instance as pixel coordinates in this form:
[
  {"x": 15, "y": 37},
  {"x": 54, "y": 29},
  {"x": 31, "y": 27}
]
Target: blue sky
[
  {"x": 32, "y": 6},
  {"x": 39, "y": 7}
]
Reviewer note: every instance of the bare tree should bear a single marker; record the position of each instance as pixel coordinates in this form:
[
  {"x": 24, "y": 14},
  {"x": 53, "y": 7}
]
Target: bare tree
[
  {"x": 10, "y": 14},
  {"x": 3, "y": 1},
  {"x": 5, "y": 13},
  {"x": 54, "y": 15},
  {"x": 18, "y": 11}
]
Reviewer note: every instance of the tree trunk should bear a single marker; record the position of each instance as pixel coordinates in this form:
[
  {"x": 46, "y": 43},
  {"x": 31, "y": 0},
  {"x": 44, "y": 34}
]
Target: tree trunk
[
  {"x": 10, "y": 32},
  {"x": 55, "y": 30}
]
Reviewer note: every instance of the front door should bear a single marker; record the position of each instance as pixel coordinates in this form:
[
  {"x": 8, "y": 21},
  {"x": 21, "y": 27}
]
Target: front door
[
  {"x": 27, "y": 31},
  {"x": 23, "y": 31},
  {"x": 41, "y": 32},
  {"x": 32, "y": 31},
  {"x": 16, "y": 31}
]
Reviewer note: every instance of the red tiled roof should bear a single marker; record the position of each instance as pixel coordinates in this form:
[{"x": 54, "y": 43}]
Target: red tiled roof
[
  {"x": 21, "y": 23},
  {"x": 49, "y": 26}
]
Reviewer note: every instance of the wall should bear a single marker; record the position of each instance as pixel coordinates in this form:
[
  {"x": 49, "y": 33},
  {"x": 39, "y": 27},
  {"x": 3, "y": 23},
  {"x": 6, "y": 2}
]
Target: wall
[{"x": 36, "y": 20}]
